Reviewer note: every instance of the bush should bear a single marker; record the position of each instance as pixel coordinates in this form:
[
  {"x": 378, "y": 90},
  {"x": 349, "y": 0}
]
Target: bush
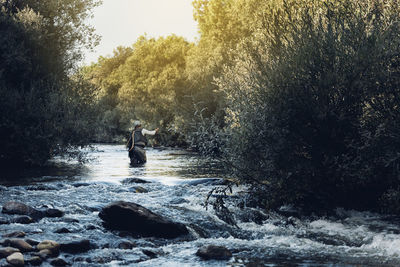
[
  {"x": 313, "y": 104},
  {"x": 44, "y": 108}
]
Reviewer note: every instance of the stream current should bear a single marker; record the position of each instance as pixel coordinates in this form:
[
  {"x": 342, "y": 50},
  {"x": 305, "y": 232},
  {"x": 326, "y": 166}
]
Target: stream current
[{"x": 177, "y": 190}]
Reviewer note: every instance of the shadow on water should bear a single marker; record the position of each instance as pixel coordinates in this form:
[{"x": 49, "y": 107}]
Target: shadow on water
[{"x": 52, "y": 172}]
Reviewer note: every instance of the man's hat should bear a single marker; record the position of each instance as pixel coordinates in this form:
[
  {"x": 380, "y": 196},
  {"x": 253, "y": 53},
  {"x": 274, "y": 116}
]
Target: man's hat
[{"x": 136, "y": 123}]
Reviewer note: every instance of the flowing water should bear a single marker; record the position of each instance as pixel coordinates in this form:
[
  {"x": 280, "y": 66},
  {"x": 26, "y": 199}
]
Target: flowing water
[{"x": 178, "y": 188}]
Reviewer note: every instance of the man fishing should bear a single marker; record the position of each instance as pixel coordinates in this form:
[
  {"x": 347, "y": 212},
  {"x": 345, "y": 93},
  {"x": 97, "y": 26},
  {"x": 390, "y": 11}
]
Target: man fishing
[{"x": 137, "y": 142}]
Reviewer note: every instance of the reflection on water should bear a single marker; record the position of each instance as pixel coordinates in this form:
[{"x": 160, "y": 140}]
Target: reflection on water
[
  {"x": 167, "y": 166},
  {"x": 110, "y": 163}
]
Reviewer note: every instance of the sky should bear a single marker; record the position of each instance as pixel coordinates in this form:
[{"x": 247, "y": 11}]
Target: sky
[{"x": 121, "y": 22}]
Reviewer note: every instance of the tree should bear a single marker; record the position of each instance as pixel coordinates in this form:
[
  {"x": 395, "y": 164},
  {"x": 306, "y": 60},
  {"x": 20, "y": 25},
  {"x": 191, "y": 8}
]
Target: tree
[{"x": 40, "y": 45}]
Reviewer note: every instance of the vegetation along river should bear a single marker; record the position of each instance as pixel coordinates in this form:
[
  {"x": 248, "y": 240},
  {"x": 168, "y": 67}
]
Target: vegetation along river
[{"x": 177, "y": 188}]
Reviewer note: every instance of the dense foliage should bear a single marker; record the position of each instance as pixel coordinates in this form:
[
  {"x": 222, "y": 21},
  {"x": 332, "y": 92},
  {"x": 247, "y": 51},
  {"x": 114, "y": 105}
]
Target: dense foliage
[
  {"x": 313, "y": 102},
  {"x": 44, "y": 109},
  {"x": 147, "y": 82}
]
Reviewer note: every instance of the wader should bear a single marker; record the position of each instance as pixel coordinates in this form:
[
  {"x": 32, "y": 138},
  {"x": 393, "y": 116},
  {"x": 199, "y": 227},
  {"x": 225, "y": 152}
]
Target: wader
[{"x": 138, "y": 153}]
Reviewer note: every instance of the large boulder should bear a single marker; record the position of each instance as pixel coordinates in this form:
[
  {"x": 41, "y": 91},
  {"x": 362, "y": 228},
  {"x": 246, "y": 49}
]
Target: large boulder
[{"x": 138, "y": 220}]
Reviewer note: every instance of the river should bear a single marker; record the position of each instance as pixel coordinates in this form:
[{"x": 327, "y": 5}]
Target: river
[{"x": 178, "y": 188}]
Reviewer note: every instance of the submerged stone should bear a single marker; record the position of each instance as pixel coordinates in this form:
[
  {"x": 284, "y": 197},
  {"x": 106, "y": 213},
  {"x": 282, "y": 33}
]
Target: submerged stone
[
  {"x": 76, "y": 246},
  {"x": 59, "y": 262},
  {"x": 149, "y": 253},
  {"x": 125, "y": 244},
  {"x": 136, "y": 219},
  {"x": 54, "y": 213},
  {"x": 35, "y": 261},
  {"x": 62, "y": 231},
  {"x": 134, "y": 181},
  {"x": 212, "y": 252}
]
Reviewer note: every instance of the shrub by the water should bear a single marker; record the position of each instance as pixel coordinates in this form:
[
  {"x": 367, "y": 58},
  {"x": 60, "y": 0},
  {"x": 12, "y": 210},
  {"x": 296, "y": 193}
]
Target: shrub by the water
[
  {"x": 44, "y": 108},
  {"x": 313, "y": 105}
]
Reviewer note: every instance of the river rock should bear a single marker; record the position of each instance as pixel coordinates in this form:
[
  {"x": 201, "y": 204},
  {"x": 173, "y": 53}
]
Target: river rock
[
  {"x": 19, "y": 244},
  {"x": 4, "y": 220},
  {"x": 34, "y": 261},
  {"x": 53, "y": 213},
  {"x": 16, "y": 259},
  {"x": 138, "y": 189},
  {"x": 90, "y": 227},
  {"x": 134, "y": 181},
  {"x": 14, "y": 207},
  {"x": 47, "y": 253},
  {"x": 51, "y": 245},
  {"x": 125, "y": 244},
  {"x": 23, "y": 219},
  {"x": 212, "y": 252},
  {"x": 80, "y": 184},
  {"x": 32, "y": 242},
  {"x": 7, "y": 251},
  {"x": 70, "y": 220},
  {"x": 15, "y": 234},
  {"x": 149, "y": 253},
  {"x": 62, "y": 231},
  {"x": 138, "y": 220},
  {"x": 59, "y": 262},
  {"x": 76, "y": 246}
]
